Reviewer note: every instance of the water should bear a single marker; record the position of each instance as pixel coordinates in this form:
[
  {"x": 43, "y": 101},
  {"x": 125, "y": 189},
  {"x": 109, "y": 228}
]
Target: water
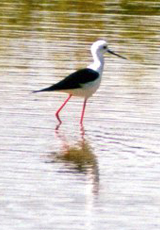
[{"x": 106, "y": 175}]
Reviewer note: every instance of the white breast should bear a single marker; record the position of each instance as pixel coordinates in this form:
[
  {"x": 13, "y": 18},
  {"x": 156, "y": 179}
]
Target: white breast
[{"x": 87, "y": 89}]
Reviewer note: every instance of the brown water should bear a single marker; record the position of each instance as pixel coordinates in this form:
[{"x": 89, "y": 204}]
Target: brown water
[{"x": 106, "y": 175}]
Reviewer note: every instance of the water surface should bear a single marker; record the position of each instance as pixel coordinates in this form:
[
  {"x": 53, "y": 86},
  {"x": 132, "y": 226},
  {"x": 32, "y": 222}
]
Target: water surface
[{"x": 106, "y": 174}]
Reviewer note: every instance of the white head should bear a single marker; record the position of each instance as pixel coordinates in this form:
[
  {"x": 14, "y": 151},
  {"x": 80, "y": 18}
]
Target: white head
[{"x": 100, "y": 47}]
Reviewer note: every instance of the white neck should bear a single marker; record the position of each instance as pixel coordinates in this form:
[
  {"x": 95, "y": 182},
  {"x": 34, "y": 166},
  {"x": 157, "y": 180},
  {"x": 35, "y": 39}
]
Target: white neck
[{"x": 98, "y": 62}]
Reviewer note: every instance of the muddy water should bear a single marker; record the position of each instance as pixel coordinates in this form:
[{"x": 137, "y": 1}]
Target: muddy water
[{"x": 104, "y": 175}]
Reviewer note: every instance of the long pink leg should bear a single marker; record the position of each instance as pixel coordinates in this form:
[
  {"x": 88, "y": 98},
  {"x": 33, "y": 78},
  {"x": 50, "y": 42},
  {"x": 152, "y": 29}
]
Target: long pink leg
[
  {"x": 83, "y": 110},
  {"x": 57, "y": 113}
]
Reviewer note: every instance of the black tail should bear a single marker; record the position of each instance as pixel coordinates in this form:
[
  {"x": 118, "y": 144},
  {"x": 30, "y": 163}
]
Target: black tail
[
  {"x": 51, "y": 88},
  {"x": 38, "y": 91}
]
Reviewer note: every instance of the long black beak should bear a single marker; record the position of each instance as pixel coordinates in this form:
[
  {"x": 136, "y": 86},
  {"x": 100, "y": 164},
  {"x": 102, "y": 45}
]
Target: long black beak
[{"x": 111, "y": 52}]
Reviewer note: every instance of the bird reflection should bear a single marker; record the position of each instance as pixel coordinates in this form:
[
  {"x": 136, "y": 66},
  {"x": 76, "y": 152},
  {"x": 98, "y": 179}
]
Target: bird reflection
[{"x": 79, "y": 158}]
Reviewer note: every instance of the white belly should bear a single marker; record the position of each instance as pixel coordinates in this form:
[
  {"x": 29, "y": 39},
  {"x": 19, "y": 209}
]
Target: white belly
[{"x": 87, "y": 90}]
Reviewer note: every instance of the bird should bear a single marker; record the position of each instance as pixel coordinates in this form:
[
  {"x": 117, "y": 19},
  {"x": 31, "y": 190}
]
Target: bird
[{"x": 84, "y": 82}]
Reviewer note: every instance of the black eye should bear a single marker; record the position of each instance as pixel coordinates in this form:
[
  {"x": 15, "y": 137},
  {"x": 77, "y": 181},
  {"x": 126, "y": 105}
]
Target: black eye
[{"x": 104, "y": 47}]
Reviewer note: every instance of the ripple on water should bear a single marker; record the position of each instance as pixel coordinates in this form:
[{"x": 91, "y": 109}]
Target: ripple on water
[{"x": 106, "y": 175}]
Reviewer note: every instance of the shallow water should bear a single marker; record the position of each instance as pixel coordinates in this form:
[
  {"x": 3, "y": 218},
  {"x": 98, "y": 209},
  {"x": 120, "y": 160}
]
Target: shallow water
[{"x": 104, "y": 175}]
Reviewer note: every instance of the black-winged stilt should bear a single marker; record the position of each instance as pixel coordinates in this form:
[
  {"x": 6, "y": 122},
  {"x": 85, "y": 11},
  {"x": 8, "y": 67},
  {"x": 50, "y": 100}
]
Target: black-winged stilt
[{"x": 84, "y": 82}]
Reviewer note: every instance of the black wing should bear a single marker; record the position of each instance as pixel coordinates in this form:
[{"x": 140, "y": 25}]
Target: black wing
[{"x": 74, "y": 80}]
